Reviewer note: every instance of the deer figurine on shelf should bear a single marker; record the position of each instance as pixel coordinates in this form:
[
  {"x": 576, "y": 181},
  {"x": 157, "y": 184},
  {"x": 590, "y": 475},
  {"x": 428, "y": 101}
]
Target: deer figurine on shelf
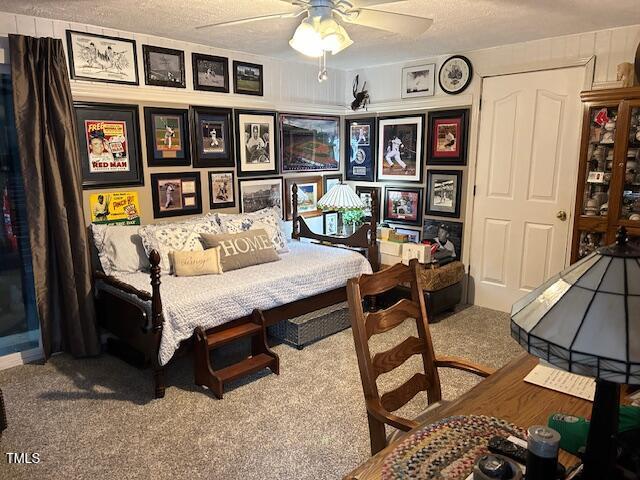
[{"x": 360, "y": 98}]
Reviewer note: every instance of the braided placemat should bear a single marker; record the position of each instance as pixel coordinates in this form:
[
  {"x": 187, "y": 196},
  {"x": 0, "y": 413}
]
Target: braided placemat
[{"x": 447, "y": 449}]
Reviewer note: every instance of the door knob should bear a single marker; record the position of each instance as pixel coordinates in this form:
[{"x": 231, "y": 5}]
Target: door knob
[{"x": 562, "y": 215}]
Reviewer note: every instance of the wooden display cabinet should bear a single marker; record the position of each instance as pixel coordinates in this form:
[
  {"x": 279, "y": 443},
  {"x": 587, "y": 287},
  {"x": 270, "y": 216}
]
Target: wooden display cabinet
[{"x": 608, "y": 193}]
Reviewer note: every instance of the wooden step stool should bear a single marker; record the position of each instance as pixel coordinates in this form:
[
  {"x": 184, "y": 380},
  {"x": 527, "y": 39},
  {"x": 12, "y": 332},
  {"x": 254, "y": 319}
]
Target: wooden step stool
[{"x": 261, "y": 355}]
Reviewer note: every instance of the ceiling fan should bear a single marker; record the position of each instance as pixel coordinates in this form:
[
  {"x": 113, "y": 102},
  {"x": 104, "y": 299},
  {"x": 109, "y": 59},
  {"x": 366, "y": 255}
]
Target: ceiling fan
[{"x": 322, "y": 30}]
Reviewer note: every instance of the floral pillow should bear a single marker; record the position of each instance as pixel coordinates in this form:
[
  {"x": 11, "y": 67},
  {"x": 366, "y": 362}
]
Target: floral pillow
[{"x": 267, "y": 219}]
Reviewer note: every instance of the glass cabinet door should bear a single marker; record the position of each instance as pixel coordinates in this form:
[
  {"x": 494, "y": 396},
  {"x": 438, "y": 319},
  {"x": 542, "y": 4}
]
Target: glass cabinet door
[{"x": 630, "y": 204}]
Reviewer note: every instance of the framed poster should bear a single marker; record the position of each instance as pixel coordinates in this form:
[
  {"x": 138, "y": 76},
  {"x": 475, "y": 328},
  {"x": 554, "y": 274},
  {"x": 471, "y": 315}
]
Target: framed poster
[
  {"x": 414, "y": 235},
  {"x": 210, "y": 73},
  {"x": 248, "y": 78},
  {"x": 115, "y": 208},
  {"x": 400, "y": 148},
  {"x": 403, "y": 205},
  {"x": 309, "y": 143},
  {"x": 331, "y": 181},
  {"x": 330, "y": 223},
  {"x": 418, "y": 81},
  {"x": 365, "y": 195},
  {"x": 446, "y": 235},
  {"x": 261, "y": 193},
  {"x": 444, "y": 189},
  {"x": 167, "y": 132},
  {"x": 211, "y": 137},
  {"x": 361, "y": 150},
  {"x": 448, "y": 137},
  {"x": 176, "y": 194},
  {"x": 256, "y": 142},
  {"x": 100, "y": 58},
  {"x": 163, "y": 67},
  {"x": 109, "y": 142},
  {"x": 309, "y": 192},
  {"x": 222, "y": 190}
]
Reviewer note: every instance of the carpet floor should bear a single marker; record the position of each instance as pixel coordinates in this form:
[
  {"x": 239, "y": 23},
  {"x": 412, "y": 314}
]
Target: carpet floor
[{"x": 94, "y": 418}]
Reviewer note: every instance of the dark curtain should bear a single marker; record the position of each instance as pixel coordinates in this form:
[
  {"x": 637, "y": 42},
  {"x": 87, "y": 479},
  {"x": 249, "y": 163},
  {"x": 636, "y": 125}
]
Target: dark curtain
[{"x": 49, "y": 158}]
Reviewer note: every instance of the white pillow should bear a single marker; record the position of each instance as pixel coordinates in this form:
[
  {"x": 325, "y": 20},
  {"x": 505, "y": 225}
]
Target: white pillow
[
  {"x": 119, "y": 248},
  {"x": 184, "y": 236},
  {"x": 267, "y": 219}
]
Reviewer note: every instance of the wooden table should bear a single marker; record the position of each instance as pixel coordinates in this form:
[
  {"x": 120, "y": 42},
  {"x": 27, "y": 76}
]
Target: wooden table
[{"x": 504, "y": 395}]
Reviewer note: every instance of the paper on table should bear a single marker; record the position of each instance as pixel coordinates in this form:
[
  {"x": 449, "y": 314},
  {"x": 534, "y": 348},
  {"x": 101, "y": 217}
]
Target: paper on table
[{"x": 561, "y": 381}]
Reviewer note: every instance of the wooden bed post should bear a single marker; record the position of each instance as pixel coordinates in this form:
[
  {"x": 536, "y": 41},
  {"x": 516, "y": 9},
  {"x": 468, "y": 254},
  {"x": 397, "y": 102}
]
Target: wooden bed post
[
  {"x": 157, "y": 319},
  {"x": 295, "y": 234},
  {"x": 373, "y": 243}
]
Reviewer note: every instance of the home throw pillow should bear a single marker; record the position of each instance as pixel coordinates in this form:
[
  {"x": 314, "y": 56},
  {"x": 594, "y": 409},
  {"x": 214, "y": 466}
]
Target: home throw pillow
[
  {"x": 190, "y": 264},
  {"x": 120, "y": 248},
  {"x": 267, "y": 219},
  {"x": 239, "y": 250}
]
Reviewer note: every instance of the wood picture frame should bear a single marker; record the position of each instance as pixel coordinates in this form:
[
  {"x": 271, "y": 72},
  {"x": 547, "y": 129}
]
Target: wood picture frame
[
  {"x": 364, "y": 192},
  {"x": 400, "y": 148},
  {"x": 207, "y": 70},
  {"x": 448, "y": 130},
  {"x": 361, "y": 149},
  {"x": 330, "y": 181},
  {"x": 167, "y": 135},
  {"x": 403, "y": 205},
  {"x": 301, "y": 134},
  {"x": 163, "y": 67},
  {"x": 309, "y": 192},
  {"x": 248, "y": 78},
  {"x": 211, "y": 137},
  {"x": 222, "y": 189},
  {"x": 259, "y": 193},
  {"x": 256, "y": 142},
  {"x": 176, "y": 194}
]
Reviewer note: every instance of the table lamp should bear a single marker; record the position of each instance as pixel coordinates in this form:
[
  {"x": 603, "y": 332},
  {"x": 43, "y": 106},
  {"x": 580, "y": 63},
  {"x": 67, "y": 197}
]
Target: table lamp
[
  {"x": 586, "y": 320},
  {"x": 340, "y": 198}
]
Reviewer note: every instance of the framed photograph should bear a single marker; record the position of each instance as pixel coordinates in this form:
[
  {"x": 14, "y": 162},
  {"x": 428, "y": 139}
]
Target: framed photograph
[
  {"x": 109, "y": 142},
  {"x": 361, "y": 149},
  {"x": 418, "y": 81},
  {"x": 248, "y": 78},
  {"x": 100, "y": 58},
  {"x": 403, "y": 205},
  {"x": 448, "y": 137},
  {"x": 309, "y": 143},
  {"x": 256, "y": 142},
  {"x": 261, "y": 193},
  {"x": 309, "y": 192},
  {"x": 448, "y": 237},
  {"x": 331, "y": 181},
  {"x": 176, "y": 194},
  {"x": 210, "y": 73},
  {"x": 414, "y": 235},
  {"x": 330, "y": 223},
  {"x": 222, "y": 190},
  {"x": 400, "y": 148},
  {"x": 212, "y": 140},
  {"x": 365, "y": 195},
  {"x": 163, "y": 67},
  {"x": 167, "y": 132},
  {"x": 445, "y": 188}
]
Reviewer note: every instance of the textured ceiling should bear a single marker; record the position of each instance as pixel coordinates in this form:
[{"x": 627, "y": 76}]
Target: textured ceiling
[{"x": 459, "y": 25}]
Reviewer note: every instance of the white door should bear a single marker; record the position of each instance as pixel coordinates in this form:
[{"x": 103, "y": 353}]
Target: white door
[{"x": 526, "y": 174}]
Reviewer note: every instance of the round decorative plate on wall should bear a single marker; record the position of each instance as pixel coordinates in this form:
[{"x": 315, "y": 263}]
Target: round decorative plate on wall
[{"x": 455, "y": 74}]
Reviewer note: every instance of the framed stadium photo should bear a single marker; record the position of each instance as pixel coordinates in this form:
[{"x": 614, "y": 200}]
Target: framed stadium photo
[
  {"x": 256, "y": 142},
  {"x": 163, "y": 67},
  {"x": 248, "y": 78},
  {"x": 211, "y": 136},
  {"x": 448, "y": 137},
  {"x": 309, "y": 143},
  {"x": 176, "y": 194},
  {"x": 210, "y": 73},
  {"x": 403, "y": 205},
  {"x": 400, "y": 148},
  {"x": 261, "y": 193},
  {"x": 361, "y": 149},
  {"x": 167, "y": 132}
]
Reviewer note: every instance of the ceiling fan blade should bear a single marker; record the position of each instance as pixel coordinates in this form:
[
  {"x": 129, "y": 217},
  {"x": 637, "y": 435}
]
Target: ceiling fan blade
[
  {"x": 371, "y": 3},
  {"x": 407, "y": 25},
  {"x": 253, "y": 19}
]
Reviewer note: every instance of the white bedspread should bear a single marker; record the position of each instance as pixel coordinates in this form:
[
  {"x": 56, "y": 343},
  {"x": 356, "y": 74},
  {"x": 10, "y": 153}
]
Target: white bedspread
[{"x": 211, "y": 300}]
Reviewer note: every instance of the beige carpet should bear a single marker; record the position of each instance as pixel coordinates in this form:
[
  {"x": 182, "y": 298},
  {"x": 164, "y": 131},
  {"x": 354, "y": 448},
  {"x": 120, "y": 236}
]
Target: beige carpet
[{"x": 94, "y": 419}]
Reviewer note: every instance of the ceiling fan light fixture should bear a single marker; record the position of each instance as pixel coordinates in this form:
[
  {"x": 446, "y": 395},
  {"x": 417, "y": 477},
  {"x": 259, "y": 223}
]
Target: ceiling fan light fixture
[
  {"x": 307, "y": 40},
  {"x": 316, "y": 35}
]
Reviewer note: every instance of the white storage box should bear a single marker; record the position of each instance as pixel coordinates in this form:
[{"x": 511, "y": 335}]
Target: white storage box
[
  {"x": 391, "y": 248},
  {"x": 416, "y": 250}
]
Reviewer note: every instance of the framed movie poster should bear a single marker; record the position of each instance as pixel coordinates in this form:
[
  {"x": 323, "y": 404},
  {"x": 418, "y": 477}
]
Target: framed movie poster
[
  {"x": 163, "y": 67},
  {"x": 211, "y": 132},
  {"x": 330, "y": 223},
  {"x": 361, "y": 150},
  {"x": 176, "y": 194},
  {"x": 309, "y": 192},
  {"x": 403, "y": 205},
  {"x": 115, "y": 208},
  {"x": 109, "y": 142},
  {"x": 309, "y": 143},
  {"x": 167, "y": 132},
  {"x": 210, "y": 73},
  {"x": 248, "y": 78},
  {"x": 331, "y": 181},
  {"x": 448, "y": 137},
  {"x": 444, "y": 189},
  {"x": 418, "y": 81},
  {"x": 400, "y": 148},
  {"x": 414, "y": 235},
  {"x": 447, "y": 236},
  {"x": 255, "y": 142},
  {"x": 261, "y": 193},
  {"x": 222, "y": 190},
  {"x": 100, "y": 58},
  {"x": 365, "y": 194}
]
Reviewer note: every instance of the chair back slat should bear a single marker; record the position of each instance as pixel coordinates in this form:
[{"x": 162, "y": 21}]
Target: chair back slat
[
  {"x": 400, "y": 396},
  {"x": 386, "y": 361},
  {"x": 385, "y": 320},
  {"x": 384, "y": 280}
]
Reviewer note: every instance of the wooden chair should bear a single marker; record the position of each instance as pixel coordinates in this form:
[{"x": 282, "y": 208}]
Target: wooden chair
[{"x": 365, "y": 325}]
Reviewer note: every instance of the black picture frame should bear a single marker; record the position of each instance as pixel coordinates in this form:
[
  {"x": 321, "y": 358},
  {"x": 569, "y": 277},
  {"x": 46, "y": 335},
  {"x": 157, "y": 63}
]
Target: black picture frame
[
  {"x": 196, "y": 59},
  {"x": 213, "y": 204},
  {"x": 261, "y": 203},
  {"x": 443, "y": 119},
  {"x": 202, "y": 118},
  {"x": 401, "y": 124},
  {"x": 165, "y": 157},
  {"x": 237, "y": 88},
  {"x": 455, "y": 235},
  {"x": 183, "y": 209},
  {"x": 125, "y": 116},
  {"x": 326, "y": 215},
  {"x": 399, "y": 219},
  {"x": 432, "y": 207},
  {"x": 287, "y": 133},
  {"x": 326, "y": 178},
  {"x": 73, "y": 64},
  {"x": 150, "y": 74},
  {"x": 248, "y": 118},
  {"x": 367, "y": 190},
  {"x": 362, "y": 166}
]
